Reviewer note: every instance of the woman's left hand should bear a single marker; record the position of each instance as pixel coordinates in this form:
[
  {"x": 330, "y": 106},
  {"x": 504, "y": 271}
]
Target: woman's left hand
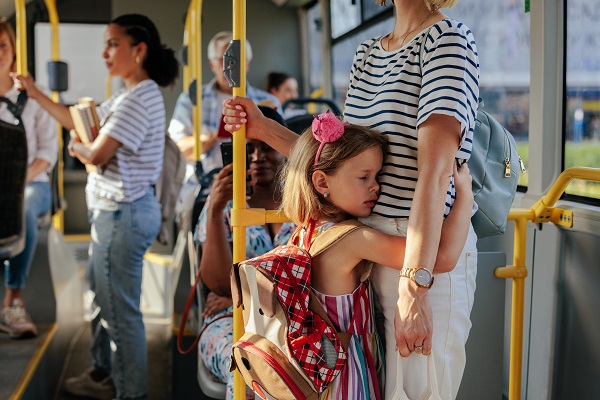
[
  {"x": 215, "y": 303},
  {"x": 414, "y": 319},
  {"x": 74, "y": 139}
]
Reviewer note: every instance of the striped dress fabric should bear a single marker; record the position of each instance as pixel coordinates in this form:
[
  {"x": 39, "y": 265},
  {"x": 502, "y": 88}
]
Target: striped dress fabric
[
  {"x": 135, "y": 118},
  {"x": 389, "y": 92},
  {"x": 356, "y": 380}
]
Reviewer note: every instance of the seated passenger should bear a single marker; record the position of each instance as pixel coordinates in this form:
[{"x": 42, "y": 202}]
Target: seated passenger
[
  {"x": 284, "y": 87},
  {"x": 214, "y": 233},
  {"x": 42, "y": 149},
  {"x": 213, "y": 95}
]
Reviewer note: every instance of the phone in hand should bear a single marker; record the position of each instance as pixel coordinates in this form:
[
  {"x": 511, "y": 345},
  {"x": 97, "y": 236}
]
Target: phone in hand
[{"x": 227, "y": 155}]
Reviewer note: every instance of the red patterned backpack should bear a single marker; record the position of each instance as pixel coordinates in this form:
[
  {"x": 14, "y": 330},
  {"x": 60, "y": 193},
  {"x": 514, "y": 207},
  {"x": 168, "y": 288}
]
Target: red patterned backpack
[{"x": 290, "y": 349}]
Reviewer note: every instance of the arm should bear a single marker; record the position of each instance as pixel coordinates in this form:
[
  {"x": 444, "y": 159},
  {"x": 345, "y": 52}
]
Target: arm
[
  {"x": 58, "y": 111},
  {"x": 217, "y": 256},
  {"x": 35, "y": 168},
  {"x": 98, "y": 152},
  {"x": 186, "y": 144},
  {"x": 439, "y": 138},
  {"x": 241, "y": 110},
  {"x": 456, "y": 226}
]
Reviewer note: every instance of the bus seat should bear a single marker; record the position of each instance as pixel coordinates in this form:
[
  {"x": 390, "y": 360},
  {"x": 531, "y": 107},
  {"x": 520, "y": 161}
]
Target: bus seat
[
  {"x": 298, "y": 123},
  {"x": 13, "y": 173},
  {"x": 208, "y": 383}
]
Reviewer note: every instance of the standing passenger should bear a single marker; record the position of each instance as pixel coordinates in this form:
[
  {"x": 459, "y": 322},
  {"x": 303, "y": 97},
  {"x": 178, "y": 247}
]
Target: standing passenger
[
  {"x": 122, "y": 206},
  {"x": 428, "y": 117},
  {"x": 42, "y": 152}
]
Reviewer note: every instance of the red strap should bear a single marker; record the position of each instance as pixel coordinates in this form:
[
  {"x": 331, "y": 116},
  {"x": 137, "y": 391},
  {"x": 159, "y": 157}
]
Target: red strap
[{"x": 184, "y": 317}]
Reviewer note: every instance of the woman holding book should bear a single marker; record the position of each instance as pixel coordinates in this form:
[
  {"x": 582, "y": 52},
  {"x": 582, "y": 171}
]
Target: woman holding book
[
  {"x": 123, "y": 209},
  {"x": 42, "y": 150}
]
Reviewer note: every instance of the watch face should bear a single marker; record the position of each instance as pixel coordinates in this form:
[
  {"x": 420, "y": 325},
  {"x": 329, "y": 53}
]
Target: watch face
[{"x": 422, "y": 277}]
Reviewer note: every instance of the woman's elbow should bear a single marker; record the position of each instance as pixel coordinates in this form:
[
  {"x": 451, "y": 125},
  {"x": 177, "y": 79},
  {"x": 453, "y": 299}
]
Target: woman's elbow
[{"x": 444, "y": 263}]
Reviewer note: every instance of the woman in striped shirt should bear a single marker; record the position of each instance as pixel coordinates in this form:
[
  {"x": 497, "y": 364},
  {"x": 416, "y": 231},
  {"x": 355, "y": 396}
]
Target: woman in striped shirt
[
  {"x": 426, "y": 106},
  {"x": 122, "y": 206}
]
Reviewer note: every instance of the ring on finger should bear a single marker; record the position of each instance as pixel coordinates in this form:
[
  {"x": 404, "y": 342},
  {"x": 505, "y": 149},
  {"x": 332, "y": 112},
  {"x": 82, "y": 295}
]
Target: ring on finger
[{"x": 419, "y": 347}]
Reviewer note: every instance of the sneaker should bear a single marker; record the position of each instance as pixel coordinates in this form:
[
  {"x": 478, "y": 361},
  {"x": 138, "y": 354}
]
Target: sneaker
[
  {"x": 15, "y": 321},
  {"x": 83, "y": 385}
]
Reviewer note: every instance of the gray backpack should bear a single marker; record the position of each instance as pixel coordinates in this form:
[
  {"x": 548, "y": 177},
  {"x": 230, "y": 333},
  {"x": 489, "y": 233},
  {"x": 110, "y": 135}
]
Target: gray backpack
[
  {"x": 495, "y": 166},
  {"x": 168, "y": 187}
]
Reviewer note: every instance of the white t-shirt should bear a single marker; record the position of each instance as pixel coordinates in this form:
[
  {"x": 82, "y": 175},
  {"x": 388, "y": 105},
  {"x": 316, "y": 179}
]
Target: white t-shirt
[
  {"x": 135, "y": 118},
  {"x": 388, "y": 94}
]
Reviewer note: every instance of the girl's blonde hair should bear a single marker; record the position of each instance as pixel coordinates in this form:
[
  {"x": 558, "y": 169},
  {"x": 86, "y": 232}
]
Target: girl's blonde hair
[
  {"x": 431, "y": 4},
  {"x": 6, "y": 28},
  {"x": 301, "y": 202}
]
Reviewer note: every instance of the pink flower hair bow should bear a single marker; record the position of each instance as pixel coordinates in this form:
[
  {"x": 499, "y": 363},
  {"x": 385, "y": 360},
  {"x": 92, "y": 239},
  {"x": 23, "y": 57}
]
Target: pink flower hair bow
[{"x": 326, "y": 128}]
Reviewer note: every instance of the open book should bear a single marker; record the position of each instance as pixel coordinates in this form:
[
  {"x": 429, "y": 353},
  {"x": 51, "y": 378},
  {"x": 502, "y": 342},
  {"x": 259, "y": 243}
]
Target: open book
[
  {"x": 86, "y": 122},
  {"x": 85, "y": 119}
]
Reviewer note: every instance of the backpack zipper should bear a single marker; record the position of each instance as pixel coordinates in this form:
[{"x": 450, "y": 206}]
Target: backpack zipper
[
  {"x": 243, "y": 344},
  {"x": 507, "y": 157}
]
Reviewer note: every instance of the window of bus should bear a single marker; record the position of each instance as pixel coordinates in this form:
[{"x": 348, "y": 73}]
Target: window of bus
[
  {"x": 582, "y": 96},
  {"x": 501, "y": 30},
  {"x": 313, "y": 19}
]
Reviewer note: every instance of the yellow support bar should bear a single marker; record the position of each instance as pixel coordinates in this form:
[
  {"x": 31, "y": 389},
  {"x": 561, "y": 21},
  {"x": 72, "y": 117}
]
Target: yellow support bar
[
  {"x": 186, "y": 42},
  {"x": 21, "y": 21},
  {"x": 542, "y": 211},
  {"x": 195, "y": 61},
  {"x": 58, "y": 220},
  {"x": 239, "y": 179}
]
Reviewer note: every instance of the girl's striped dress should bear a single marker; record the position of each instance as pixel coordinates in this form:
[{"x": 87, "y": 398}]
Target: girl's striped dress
[{"x": 361, "y": 377}]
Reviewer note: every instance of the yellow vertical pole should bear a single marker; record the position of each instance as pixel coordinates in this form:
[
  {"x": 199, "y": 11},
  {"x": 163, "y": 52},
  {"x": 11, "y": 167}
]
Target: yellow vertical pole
[
  {"x": 59, "y": 218},
  {"x": 518, "y": 301},
  {"x": 195, "y": 61},
  {"x": 21, "y": 21},
  {"x": 239, "y": 178},
  {"x": 186, "y": 42}
]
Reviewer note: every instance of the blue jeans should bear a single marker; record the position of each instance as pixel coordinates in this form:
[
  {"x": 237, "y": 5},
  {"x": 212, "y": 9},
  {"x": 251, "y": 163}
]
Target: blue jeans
[
  {"x": 120, "y": 238},
  {"x": 37, "y": 203}
]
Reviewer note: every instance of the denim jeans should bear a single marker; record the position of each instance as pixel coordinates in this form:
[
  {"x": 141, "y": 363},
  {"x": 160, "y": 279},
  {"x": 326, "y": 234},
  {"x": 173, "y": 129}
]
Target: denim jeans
[
  {"x": 37, "y": 203},
  {"x": 120, "y": 238}
]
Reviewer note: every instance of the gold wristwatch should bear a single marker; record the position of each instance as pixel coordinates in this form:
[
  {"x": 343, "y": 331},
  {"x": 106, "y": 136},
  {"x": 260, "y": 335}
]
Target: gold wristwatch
[{"x": 421, "y": 276}]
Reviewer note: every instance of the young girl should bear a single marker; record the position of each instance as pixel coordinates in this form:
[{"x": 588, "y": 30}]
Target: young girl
[{"x": 331, "y": 176}]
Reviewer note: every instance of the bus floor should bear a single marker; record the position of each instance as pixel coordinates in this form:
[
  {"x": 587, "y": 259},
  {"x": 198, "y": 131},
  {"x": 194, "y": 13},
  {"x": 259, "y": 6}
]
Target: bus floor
[{"x": 158, "y": 337}]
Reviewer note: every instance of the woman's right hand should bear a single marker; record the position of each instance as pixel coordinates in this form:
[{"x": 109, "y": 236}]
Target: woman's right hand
[
  {"x": 26, "y": 83},
  {"x": 242, "y": 110},
  {"x": 222, "y": 189}
]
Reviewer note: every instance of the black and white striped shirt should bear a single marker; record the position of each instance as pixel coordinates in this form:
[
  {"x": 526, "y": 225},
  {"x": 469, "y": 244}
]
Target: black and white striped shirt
[
  {"x": 136, "y": 119},
  {"x": 388, "y": 93}
]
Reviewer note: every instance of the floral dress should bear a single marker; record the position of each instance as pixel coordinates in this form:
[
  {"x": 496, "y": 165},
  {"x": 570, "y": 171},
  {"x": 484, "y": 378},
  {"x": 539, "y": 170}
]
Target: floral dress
[
  {"x": 361, "y": 376},
  {"x": 214, "y": 347}
]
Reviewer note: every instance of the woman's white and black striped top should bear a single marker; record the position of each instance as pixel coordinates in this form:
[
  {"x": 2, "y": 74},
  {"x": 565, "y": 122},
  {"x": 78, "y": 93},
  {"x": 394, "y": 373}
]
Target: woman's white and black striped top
[
  {"x": 136, "y": 118},
  {"x": 388, "y": 93}
]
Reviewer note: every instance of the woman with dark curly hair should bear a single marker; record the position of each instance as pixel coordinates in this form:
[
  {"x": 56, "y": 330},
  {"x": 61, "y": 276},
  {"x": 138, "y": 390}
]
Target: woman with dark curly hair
[{"x": 122, "y": 206}]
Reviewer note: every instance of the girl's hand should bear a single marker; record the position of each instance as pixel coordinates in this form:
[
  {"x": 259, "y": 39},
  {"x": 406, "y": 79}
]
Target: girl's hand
[
  {"x": 463, "y": 181},
  {"x": 215, "y": 303},
  {"x": 241, "y": 110},
  {"x": 222, "y": 189}
]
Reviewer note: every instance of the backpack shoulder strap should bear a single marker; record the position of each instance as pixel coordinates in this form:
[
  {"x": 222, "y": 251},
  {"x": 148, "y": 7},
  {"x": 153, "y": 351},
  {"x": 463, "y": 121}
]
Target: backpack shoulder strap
[{"x": 337, "y": 232}]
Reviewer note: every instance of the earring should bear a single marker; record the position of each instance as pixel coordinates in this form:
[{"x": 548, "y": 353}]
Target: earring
[
  {"x": 326, "y": 194},
  {"x": 137, "y": 59}
]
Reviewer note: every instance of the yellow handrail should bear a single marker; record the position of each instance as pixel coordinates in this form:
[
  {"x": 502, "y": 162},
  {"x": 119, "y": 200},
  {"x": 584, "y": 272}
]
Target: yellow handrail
[
  {"x": 58, "y": 220},
  {"x": 21, "y": 21},
  {"x": 542, "y": 211},
  {"x": 239, "y": 179},
  {"x": 195, "y": 61}
]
